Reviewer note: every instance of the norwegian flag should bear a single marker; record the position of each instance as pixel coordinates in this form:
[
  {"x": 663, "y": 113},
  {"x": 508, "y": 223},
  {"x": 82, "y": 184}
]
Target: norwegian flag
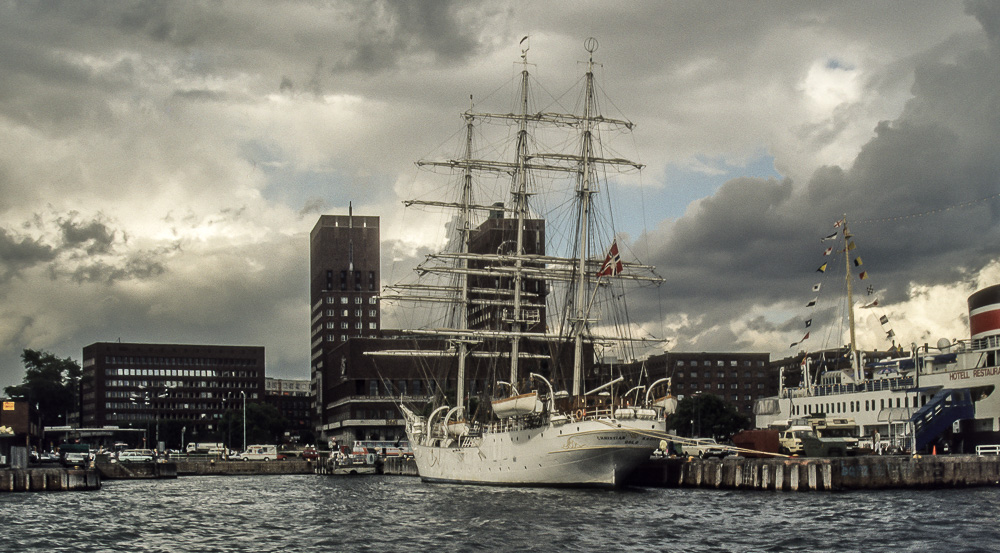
[{"x": 612, "y": 263}]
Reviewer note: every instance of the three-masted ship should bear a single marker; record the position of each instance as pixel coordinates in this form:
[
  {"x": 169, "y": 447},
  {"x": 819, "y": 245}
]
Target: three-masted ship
[{"x": 500, "y": 278}]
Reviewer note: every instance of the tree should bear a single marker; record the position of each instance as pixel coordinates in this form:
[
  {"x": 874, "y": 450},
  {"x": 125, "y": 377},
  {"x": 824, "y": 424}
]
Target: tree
[
  {"x": 265, "y": 425},
  {"x": 50, "y": 383},
  {"x": 707, "y": 415}
]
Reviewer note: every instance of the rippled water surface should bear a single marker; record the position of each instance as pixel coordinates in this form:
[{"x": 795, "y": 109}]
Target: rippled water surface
[{"x": 386, "y": 513}]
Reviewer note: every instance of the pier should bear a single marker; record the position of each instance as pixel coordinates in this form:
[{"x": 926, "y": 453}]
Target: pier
[
  {"x": 49, "y": 480},
  {"x": 821, "y": 474}
]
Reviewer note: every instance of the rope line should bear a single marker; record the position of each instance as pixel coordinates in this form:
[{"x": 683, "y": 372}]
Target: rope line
[{"x": 924, "y": 214}]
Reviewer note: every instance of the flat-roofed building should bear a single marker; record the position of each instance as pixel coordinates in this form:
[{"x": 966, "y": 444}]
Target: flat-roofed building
[{"x": 179, "y": 390}]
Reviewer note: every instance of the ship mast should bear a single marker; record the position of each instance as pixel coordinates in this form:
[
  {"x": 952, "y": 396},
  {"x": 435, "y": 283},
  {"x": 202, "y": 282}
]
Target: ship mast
[
  {"x": 465, "y": 228},
  {"x": 520, "y": 206},
  {"x": 584, "y": 219}
]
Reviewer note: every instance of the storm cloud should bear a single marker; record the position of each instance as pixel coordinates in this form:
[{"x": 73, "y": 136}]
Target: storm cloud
[{"x": 163, "y": 163}]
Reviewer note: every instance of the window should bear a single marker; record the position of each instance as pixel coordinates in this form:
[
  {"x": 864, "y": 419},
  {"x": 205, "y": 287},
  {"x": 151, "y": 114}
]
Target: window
[
  {"x": 373, "y": 300},
  {"x": 694, "y": 374},
  {"x": 721, "y": 374},
  {"x": 343, "y": 325},
  {"x": 371, "y": 326},
  {"x": 357, "y": 300},
  {"x": 732, "y": 363},
  {"x": 357, "y": 312},
  {"x": 343, "y": 299},
  {"x": 720, "y": 363},
  {"x": 680, "y": 363}
]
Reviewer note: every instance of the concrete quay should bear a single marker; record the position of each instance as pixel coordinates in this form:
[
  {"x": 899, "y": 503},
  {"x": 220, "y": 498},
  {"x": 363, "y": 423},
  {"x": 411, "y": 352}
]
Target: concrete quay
[
  {"x": 54, "y": 479},
  {"x": 400, "y": 466},
  {"x": 223, "y": 468},
  {"x": 131, "y": 471},
  {"x": 821, "y": 474}
]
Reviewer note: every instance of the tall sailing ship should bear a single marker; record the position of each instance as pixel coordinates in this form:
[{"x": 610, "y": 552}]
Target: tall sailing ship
[
  {"x": 940, "y": 397},
  {"x": 501, "y": 280}
]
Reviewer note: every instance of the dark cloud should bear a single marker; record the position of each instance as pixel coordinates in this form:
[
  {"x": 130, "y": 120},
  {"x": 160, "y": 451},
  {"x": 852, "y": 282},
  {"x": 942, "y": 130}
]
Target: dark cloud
[
  {"x": 921, "y": 200},
  {"x": 398, "y": 29},
  {"x": 314, "y": 206},
  {"x": 19, "y": 252},
  {"x": 94, "y": 237}
]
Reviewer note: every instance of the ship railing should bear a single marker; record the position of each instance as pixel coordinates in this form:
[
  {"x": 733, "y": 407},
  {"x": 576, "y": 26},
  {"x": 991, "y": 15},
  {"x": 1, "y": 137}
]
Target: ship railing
[{"x": 838, "y": 389}]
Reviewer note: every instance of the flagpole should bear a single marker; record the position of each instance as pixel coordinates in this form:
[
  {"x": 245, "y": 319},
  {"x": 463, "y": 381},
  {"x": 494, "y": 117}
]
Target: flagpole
[{"x": 850, "y": 297}]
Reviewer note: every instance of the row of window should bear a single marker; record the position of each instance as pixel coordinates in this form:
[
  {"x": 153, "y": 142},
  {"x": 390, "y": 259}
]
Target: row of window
[
  {"x": 856, "y": 406},
  {"x": 150, "y": 417},
  {"x": 722, "y": 374},
  {"x": 719, "y": 386},
  {"x": 182, "y": 361},
  {"x": 358, "y": 300},
  {"x": 210, "y": 373},
  {"x": 358, "y": 280},
  {"x": 171, "y": 386},
  {"x": 347, "y": 313},
  {"x": 374, "y": 414},
  {"x": 718, "y": 363},
  {"x": 345, "y": 326}
]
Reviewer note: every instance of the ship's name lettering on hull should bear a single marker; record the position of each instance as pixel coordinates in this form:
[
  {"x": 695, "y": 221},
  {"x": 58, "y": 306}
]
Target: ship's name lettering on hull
[{"x": 975, "y": 373}]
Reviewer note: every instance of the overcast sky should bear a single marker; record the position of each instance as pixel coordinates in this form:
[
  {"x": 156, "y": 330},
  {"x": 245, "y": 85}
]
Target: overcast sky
[{"x": 163, "y": 162}]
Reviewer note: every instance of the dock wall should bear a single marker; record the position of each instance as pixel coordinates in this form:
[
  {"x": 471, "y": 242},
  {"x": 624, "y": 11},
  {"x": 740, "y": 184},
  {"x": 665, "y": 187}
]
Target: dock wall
[
  {"x": 129, "y": 471},
  {"x": 201, "y": 468},
  {"x": 400, "y": 466},
  {"x": 49, "y": 479},
  {"x": 826, "y": 474}
]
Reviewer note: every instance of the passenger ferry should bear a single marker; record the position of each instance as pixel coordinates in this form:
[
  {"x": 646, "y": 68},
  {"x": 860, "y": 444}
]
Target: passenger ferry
[{"x": 940, "y": 397}]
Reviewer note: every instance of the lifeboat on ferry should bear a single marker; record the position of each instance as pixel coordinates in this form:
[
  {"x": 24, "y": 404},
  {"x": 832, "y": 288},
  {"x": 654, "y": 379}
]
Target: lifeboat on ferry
[
  {"x": 668, "y": 403},
  {"x": 523, "y": 404}
]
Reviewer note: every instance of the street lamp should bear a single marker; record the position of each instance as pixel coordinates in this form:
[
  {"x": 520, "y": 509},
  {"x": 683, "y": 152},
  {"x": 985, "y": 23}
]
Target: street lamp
[{"x": 244, "y": 394}]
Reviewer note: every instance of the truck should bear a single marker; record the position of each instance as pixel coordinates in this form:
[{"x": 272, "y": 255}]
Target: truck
[
  {"x": 820, "y": 437},
  {"x": 261, "y": 453},
  {"x": 204, "y": 447}
]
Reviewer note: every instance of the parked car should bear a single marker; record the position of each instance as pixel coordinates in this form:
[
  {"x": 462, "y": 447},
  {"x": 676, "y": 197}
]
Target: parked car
[
  {"x": 310, "y": 454},
  {"x": 704, "y": 448},
  {"x": 75, "y": 455},
  {"x": 136, "y": 456}
]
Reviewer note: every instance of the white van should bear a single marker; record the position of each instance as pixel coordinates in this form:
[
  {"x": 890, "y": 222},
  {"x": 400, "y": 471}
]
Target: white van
[{"x": 260, "y": 453}]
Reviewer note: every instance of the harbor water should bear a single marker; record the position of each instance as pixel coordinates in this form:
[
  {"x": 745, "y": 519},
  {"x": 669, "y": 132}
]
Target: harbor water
[{"x": 304, "y": 513}]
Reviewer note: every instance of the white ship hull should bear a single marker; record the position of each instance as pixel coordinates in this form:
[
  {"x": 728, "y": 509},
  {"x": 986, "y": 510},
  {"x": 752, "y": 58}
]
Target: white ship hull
[{"x": 599, "y": 453}]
